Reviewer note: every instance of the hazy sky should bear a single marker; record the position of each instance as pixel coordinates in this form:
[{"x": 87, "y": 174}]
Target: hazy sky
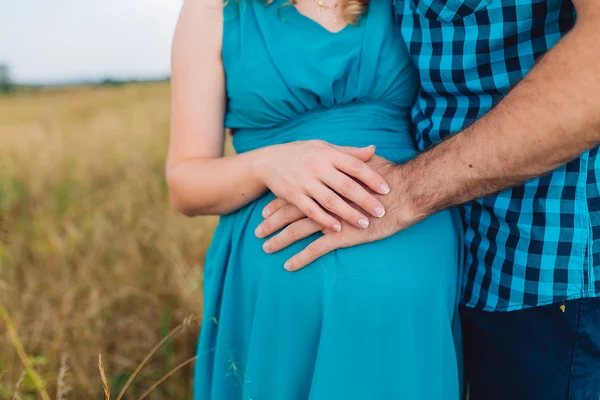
[{"x": 63, "y": 40}]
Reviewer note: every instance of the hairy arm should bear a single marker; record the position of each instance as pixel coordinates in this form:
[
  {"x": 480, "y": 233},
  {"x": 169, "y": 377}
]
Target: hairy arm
[{"x": 549, "y": 118}]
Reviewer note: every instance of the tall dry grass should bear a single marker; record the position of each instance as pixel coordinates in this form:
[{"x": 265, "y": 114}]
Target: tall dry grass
[{"x": 92, "y": 259}]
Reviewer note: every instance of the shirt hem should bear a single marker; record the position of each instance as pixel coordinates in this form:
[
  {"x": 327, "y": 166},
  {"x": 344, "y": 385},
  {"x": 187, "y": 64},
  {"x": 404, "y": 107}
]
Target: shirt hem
[{"x": 518, "y": 307}]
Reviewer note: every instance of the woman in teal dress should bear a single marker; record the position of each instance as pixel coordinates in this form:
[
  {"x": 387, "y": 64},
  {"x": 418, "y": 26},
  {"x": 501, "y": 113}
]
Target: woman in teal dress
[{"x": 293, "y": 82}]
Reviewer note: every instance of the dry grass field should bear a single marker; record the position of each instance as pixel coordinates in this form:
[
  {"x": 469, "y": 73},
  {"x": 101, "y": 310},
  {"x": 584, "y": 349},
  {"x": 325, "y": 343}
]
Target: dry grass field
[{"x": 92, "y": 259}]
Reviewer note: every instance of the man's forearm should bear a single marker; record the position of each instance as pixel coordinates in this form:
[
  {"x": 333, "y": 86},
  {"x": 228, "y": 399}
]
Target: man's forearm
[{"x": 549, "y": 118}]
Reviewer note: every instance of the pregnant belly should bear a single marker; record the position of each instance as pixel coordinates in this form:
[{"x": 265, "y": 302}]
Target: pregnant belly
[{"x": 400, "y": 271}]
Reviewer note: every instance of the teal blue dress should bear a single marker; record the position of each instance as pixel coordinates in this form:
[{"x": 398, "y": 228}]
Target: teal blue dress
[{"x": 375, "y": 321}]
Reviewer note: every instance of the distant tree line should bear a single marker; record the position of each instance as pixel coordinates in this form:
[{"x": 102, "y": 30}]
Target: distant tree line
[
  {"x": 6, "y": 85},
  {"x": 120, "y": 82}
]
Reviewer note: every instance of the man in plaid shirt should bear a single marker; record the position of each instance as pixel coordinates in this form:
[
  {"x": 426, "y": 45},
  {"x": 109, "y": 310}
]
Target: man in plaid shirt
[{"x": 514, "y": 87}]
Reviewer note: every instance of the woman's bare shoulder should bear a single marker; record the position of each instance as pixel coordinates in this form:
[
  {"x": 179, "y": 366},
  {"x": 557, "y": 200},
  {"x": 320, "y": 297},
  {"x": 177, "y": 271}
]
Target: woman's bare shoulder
[
  {"x": 208, "y": 7},
  {"x": 199, "y": 27}
]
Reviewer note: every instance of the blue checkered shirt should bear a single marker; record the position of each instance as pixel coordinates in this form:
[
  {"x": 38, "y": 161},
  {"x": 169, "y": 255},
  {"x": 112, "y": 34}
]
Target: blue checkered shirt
[{"x": 536, "y": 244}]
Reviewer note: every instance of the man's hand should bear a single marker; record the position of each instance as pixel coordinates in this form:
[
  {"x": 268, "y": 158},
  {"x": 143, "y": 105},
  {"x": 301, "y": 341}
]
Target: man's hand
[{"x": 279, "y": 214}]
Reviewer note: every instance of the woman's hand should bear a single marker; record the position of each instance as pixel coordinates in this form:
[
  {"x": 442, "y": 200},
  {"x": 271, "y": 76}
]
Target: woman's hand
[{"x": 314, "y": 176}]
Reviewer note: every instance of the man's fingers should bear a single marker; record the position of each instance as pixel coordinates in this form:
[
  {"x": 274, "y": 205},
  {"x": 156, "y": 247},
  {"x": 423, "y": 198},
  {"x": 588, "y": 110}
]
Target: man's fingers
[
  {"x": 362, "y": 153},
  {"x": 273, "y": 206},
  {"x": 362, "y": 172},
  {"x": 294, "y": 232},
  {"x": 278, "y": 220},
  {"x": 313, "y": 251}
]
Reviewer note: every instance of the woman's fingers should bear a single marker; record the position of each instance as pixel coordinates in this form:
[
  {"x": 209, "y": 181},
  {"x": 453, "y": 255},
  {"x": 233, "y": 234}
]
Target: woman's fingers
[
  {"x": 327, "y": 174},
  {"x": 356, "y": 193},
  {"x": 279, "y": 219},
  {"x": 297, "y": 231},
  {"x": 313, "y": 211},
  {"x": 330, "y": 200},
  {"x": 357, "y": 169},
  {"x": 362, "y": 153}
]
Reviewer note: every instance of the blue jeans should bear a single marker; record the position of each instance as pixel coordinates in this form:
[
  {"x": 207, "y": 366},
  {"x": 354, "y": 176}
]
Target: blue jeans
[{"x": 539, "y": 353}]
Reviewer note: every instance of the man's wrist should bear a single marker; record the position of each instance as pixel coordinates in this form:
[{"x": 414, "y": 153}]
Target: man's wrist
[
  {"x": 399, "y": 204},
  {"x": 409, "y": 200}
]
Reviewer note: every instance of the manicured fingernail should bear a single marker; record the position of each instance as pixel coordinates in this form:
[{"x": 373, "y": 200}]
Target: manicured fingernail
[
  {"x": 379, "y": 211},
  {"x": 371, "y": 145},
  {"x": 384, "y": 189},
  {"x": 258, "y": 231},
  {"x": 266, "y": 212},
  {"x": 288, "y": 265},
  {"x": 336, "y": 227},
  {"x": 267, "y": 246},
  {"x": 363, "y": 223}
]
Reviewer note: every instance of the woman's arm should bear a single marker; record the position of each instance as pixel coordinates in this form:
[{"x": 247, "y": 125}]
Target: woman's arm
[{"x": 201, "y": 181}]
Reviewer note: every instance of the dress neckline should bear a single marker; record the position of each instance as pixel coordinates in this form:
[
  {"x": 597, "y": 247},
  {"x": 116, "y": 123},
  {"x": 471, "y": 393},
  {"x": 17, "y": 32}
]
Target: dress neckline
[{"x": 316, "y": 24}]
